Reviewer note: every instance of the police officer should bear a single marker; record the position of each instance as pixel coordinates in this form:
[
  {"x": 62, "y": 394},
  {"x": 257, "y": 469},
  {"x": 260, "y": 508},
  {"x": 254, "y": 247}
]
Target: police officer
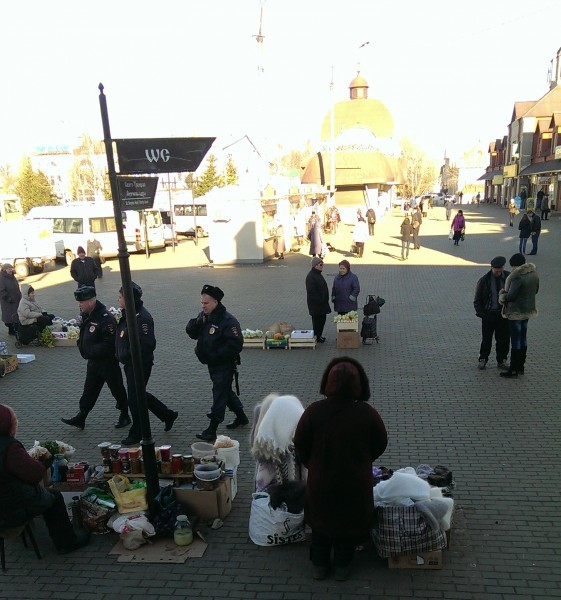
[
  {"x": 97, "y": 345},
  {"x": 147, "y": 347},
  {"x": 219, "y": 343}
]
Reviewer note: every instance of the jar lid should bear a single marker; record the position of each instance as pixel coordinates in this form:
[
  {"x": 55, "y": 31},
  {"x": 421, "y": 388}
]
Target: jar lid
[{"x": 182, "y": 518}]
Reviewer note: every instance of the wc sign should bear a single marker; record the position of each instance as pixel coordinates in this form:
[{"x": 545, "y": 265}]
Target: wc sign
[{"x": 161, "y": 155}]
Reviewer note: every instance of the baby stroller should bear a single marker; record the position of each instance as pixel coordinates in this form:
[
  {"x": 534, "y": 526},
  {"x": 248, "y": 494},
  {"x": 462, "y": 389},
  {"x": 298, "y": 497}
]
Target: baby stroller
[{"x": 369, "y": 322}]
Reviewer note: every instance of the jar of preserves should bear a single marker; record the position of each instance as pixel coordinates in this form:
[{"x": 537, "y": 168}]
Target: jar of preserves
[
  {"x": 182, "y": 533},
  {"x": 176, "y": 464},
  {"x": 166, "y": 467}
]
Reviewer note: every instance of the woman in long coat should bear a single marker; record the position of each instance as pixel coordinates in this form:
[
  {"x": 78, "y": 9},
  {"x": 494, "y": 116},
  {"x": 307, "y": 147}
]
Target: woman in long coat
[
  {"x": 458, "y": 226},
  {"x": 337, "y": 439},
  {"x": 10, "y": 295},
  {"x": 315, "y": 238},
  {"x": 317, "y": 298},
  {"x": 345, "y": 290},
  {"x": 525, "y": 228}
]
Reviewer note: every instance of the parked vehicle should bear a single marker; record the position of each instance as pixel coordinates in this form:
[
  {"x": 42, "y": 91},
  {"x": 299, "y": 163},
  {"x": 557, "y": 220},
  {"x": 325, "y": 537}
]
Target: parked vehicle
[
  {"x": 189, "y": 215},
  {"x": 74, "y": 223},
  {"x": 28, "y": 246}
]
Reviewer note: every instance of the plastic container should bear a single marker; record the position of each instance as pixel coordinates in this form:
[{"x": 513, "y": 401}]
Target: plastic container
[
  {"x": 208, "y": 472},
  {"x": 202, "y": 449},
  {"x": 230, "y": 456}
]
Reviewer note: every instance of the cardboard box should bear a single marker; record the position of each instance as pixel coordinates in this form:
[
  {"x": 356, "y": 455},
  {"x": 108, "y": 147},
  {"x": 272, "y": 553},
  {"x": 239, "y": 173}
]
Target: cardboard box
[
  {"x": 8, "y": 364},
  {"x": 421, "y": 560},
  {"x": 302, "y": 334},
  {"x": 348, "y": 339},
  {"x": 347, "y": 326},
  {"x": 207, "y": 505}
]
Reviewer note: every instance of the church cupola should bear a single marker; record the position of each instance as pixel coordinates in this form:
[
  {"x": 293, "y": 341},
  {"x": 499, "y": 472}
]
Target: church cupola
[{"x": 358, "y": 88}]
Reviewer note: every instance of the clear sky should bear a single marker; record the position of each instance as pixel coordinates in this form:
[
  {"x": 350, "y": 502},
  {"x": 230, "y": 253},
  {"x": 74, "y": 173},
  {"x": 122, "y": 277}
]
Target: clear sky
[{"x": 449, "y": 72}]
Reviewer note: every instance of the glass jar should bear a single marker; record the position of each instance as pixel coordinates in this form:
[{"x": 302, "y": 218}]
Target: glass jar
[
  {"x": 182, "y": 533},
  {"x": 176, "y": 464}
]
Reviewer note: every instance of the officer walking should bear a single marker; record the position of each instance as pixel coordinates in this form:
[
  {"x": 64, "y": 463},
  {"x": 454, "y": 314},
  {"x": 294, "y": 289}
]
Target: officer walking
[
  {"x": 219, "y": 343},
  {"x": 488, "y": 309},
  {"x": 97, "y": 345},
  {"x": 147, "y": 347}
]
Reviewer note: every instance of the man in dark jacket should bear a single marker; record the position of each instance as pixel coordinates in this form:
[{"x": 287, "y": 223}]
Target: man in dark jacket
[
  {"x": 535, "y": 231},
  {"x": 147, "y": 346},
  {"x": 488, "y": 309},
  {"x": 317, "y": 296},
  {"x": 219, "y": 343},
  {"x": 97, "y": 345},
  {"x": 416, "y": 222},
  {"x": 83, "y": 269},
  {"x": 10, "y": 296}
]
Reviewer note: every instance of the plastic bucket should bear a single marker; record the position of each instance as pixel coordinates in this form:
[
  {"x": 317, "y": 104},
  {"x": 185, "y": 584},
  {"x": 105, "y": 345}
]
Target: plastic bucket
[
  {"x": 202, "y": 449},
  {"x": 230, "y": 456}
]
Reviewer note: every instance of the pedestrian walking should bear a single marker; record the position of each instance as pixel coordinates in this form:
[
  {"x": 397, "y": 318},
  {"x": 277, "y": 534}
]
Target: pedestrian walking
[
  {"x": 317, "y": 298},
  {"x": 416, "y": 222},
  {"x": 525, "y": 228},
  {"x": 488, "y": 309},
  {"x": 360, "y": 234},
  {"x": 535, "y": 230},
  {"x": 337, "y": 439},
  {"x": 458, "y": 227},
  {"x": 147, "y": 346},
  {"x": 448, "y": 207},
  {"x": 97, "y": 345},
  {"x": 545, "y": 208},
  {"x": 10, "y": 296},
  {"x": 93, "y": 250},
  {"x": 512, "y": 211},
  {"x": 519, "y": 304},
  {"x": 315, "y": 237},
  {"x": 83, "y": 269},
  {"x": 345, "y": 290},
  {"x": 219, "y": 343},
  {"x": 405, "y": 230},
  {"x": 371, "y": 220}
]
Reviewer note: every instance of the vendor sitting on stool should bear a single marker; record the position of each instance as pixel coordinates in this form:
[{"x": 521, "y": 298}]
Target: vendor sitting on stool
[
  {"x": 31, "y": 317},
  {"x": 22, "y": 495}
]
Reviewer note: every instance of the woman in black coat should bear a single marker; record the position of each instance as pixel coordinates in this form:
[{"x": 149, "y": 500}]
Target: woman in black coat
[
  {"x": 317, "y": 296},
  {"x": 525, "y": 227},
  {"x": 10, "y": 296},
  {"x": 337, "y": 439}
]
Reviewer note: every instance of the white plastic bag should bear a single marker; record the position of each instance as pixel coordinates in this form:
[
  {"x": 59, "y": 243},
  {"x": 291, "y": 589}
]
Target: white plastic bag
[
  {"x": 451, "y": 234},
  {"x": 273, "y": 527}
]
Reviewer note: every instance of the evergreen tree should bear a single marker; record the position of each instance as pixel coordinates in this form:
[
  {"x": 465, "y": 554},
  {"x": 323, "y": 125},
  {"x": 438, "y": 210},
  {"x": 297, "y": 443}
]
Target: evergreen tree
[
  {"x": 230, "y": 173},
  {"x": 209, "y": 179},
  {"x": 33, "y": 188}
]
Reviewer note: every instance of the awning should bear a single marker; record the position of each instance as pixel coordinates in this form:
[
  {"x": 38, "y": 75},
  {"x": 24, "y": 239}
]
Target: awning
[
  {"x": 489, "y": 175},
  {"x": 548, "y": 166}
]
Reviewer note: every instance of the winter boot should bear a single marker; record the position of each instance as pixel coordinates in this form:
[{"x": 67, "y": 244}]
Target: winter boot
[
  {"x": 124, "y": 420},
  {"x": 514, "y": 365},
  {"x": 522, "y": 360},
  {"x": 78, "y": 421},
  {"x": 209, "y": 434},
  {"x": 240, "y": 420}
]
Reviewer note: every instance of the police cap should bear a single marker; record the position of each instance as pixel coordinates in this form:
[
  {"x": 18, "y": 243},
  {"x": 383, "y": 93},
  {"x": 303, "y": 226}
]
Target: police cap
[
  {"x": 84, "y": 292},
  {"x": 213, "y": 292}
]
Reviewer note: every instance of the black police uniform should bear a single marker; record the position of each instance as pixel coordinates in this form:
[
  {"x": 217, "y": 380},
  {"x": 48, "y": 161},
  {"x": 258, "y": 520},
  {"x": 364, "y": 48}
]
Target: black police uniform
[
  {"x": 219, "y": 343},
  {"x": 147, "y": 346},
  {"x": 97, "y": 344}
]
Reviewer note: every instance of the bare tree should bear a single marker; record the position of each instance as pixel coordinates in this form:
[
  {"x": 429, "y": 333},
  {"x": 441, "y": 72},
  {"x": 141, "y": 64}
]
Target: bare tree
[{"x": 421, "y": 172}]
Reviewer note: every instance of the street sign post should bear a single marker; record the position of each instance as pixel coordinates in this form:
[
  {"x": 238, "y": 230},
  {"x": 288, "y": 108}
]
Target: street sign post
[{"x": 137, "y": 193}]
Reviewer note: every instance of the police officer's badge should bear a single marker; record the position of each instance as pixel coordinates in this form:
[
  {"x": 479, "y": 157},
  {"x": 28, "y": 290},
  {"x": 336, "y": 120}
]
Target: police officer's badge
[
  {"x": 122, "y": 334},
  {"x": 211, "y": 330},
  {"x": 92, "y": 328},
  {"x": 145, "y": 328}
]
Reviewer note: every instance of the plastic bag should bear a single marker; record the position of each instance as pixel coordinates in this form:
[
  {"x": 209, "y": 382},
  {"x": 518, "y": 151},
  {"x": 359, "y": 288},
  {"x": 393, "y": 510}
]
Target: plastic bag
[
  {"x": 451, "y": 234},
  {"x": 129, "y": 498},
  {"x": 273, "y": 527}
]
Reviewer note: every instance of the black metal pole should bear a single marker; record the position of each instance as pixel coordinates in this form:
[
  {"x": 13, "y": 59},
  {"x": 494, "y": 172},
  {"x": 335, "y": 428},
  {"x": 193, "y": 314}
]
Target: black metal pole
[
  {"x": 146, "y": 246},
  {"x": 148, "y": 451}
]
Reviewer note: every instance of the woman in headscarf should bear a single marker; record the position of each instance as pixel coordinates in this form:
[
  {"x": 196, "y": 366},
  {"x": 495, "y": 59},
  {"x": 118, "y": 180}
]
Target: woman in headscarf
[
  {"x": 275, "y": 420},
  {"x": 22, "y": 496},
  {"x": 345, "y": 290},
  {"x": 337, "y": 439},
  {"x": 31, "y": 317}
]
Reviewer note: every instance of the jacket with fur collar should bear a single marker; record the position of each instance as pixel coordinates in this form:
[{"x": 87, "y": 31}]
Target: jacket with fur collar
[{"x": 519, "y": 295}]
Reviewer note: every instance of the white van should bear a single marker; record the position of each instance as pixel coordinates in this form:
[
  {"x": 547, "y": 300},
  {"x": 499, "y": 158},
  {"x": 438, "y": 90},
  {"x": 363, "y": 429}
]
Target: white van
[
  {"x": 135, "y": 223},
  {"x": 76, "y": 222},
  {"x": 189, "y": 214}
]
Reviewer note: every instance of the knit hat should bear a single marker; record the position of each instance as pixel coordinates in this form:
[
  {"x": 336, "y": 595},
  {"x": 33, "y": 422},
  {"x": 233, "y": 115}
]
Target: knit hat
[
  {"x": 213, "y": 292},
  {"x": 84, "y": 292},
  {"x": 498, "y": 262},
  {"x": 316, "y": 261},
  {"x": 6, "y": 266},
  {"x": 80, "y": 250},
  {"x": 346, "y": 264},
  {"x": 136, "y": 291},
  {"x": 517, "y": 260}
]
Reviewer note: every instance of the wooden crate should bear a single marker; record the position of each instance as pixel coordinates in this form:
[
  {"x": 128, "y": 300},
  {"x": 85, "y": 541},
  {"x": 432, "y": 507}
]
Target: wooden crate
[
  {"x": 302, "y": 343},
  {"x": 254, "y": 343},
  {"x": 347, "y": 326}
]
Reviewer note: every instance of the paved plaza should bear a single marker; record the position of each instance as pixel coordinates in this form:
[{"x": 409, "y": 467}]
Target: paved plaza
[{"x": 500, "y": 437}]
